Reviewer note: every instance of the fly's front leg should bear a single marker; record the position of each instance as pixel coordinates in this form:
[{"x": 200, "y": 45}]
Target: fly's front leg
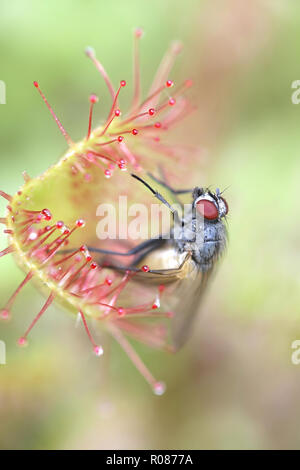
[
  {"x": 153, "y": 243},
  {"x": 174, "y": 192},
  {"x": 147, "y": 245},
  {"x": 167, "y": 186}
]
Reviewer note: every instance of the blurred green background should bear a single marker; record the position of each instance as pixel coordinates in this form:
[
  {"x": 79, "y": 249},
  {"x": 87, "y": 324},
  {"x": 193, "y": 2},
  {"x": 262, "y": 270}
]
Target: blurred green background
[{"x": 233, "y": 385}]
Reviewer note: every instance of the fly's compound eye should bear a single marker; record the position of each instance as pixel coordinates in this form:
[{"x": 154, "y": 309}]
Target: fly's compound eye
[
  {"x": 225, "y": 205},
  {"x": 207, "y": 209}
]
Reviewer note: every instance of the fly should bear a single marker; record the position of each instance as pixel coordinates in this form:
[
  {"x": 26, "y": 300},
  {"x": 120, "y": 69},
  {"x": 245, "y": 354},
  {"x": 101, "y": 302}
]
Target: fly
[{"x": 187, "y": 259}]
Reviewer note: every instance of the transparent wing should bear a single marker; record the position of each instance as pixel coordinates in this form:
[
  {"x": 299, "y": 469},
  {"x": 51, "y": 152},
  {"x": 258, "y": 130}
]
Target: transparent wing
[
  {"x": 188, "y": 287},
  {"x": 185, "y": 296},
  {"x": 185, "y": 303}
]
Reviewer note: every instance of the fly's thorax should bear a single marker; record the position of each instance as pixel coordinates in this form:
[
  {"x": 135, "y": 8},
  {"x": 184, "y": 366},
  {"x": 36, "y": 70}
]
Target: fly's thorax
[
  {"x": 204, "y": 237},
  {"x": 210, "y": 243},
  {"x": 207, "y": 242}
]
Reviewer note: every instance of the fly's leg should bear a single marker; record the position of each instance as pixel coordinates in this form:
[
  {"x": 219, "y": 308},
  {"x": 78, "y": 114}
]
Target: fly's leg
[
  {"x": 160, "y": 198},
  {"x": 172, "y": 190},
  {"x": 159, "y": 274},
  {"x": 155, "y": 193},
  {"x": 153, "y": 243},
  {"x": 141, "y": 256},
  {"x": 145, "y": 246},
  {"x": 141, "y": 251},
  {"x": 177, "y": 221}
]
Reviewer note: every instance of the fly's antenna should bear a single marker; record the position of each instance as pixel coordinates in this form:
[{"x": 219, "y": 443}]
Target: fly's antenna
[
  {"x": 227, "y": 187},
  {"x": 157, "y": 195}
]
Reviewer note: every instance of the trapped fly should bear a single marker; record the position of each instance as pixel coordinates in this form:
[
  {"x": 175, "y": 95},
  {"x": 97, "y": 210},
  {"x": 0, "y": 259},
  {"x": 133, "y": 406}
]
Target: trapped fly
[{"x": 187, "y": 258}]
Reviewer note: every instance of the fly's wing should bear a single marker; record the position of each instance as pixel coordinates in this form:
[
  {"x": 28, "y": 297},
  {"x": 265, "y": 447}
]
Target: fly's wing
[
  {"x": 185, "y": 304},
  {"x": 189, "y": 284},
  {"x": 186, "y": 293}
]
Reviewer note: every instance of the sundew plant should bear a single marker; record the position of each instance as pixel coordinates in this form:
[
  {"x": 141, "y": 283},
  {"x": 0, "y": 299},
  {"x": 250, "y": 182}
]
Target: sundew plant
[{"x": 51, "y": 220}]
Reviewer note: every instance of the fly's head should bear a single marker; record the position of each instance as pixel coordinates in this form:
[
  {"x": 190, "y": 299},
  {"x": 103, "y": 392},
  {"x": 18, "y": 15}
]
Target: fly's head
[{"x": 209, "y": 210}]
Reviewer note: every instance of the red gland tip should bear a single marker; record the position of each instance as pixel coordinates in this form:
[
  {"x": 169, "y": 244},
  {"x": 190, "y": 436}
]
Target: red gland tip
[
  {"x": 107, "y": 173},
  {"x": 60, "y": 224},
  {"x": 123, "y": 82},
  {"x": 159, "y": 388},
  {"x": 121, "y": 311},
  {"x": 122, "y": 166},
  {"x": 83, "y": 248},
  {"x": 93, "y": 265},
  {"x": 169, "y": 83},
  {"x": 98, "y": 350},
  {"x": 157, "y": 125},
  {"x": 151, "y": 111},
  {"x": 154, "y": 306},
  {"x": 36, "y": 84},
  {"x": 4, "y": 314},
  {"x": 22, "y": 341},
  {"x": 47, "y": 214},
  {"x": 80, "y": 223},
  {"x": 94, "y": 98},
  {"x": 134, "y": 132},
  {"x": 172, "y": 101},
  {"x": 177, "y": 47},
  {"x": 138, "y": 32},
  {"x": 117, "y": 112},
  {"x": 108, "y": 281},
  {"x": 120, "y": 138},
  {"x": 145, "y": 268},
  {"x": 90, "y": 52}
]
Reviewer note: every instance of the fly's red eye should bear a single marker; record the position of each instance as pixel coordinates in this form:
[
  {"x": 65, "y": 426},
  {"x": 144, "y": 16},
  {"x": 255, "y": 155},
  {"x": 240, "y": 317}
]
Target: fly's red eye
[
  {"x": 226, "y": 205},
  {"x": 207, "y": 209}
]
